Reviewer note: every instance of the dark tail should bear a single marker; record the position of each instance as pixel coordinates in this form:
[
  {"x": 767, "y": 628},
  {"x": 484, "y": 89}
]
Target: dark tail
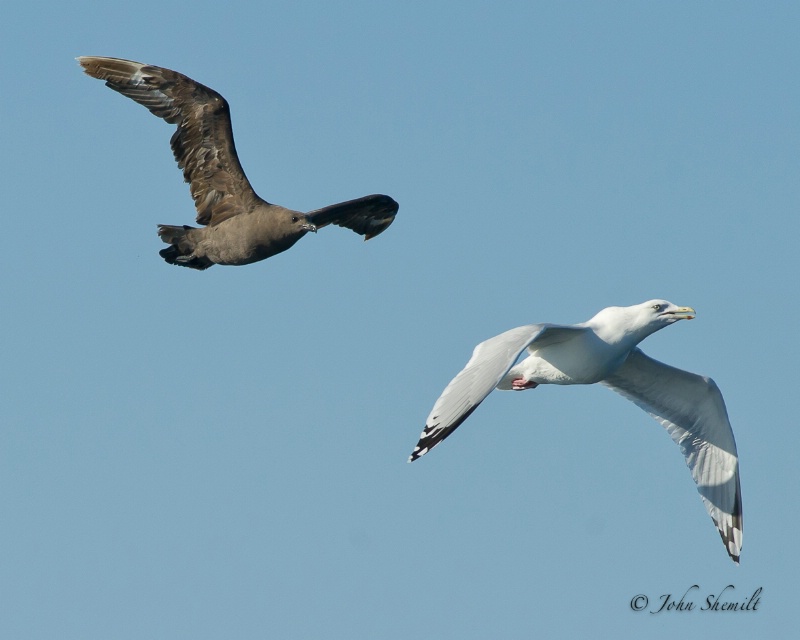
[{"x": 181, "y": 249}]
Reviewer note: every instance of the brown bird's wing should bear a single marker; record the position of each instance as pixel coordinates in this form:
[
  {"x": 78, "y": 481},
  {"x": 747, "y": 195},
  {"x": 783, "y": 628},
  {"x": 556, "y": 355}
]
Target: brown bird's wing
[
  {"x": 367, "y": 216},
  {"x": 202, "y": 144}
]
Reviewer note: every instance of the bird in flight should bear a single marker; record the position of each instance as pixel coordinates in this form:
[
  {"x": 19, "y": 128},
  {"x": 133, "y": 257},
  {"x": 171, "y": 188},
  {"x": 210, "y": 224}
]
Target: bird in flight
[
  {"x": 237, "y": 226},
  {"x": 604, "y": 349}
]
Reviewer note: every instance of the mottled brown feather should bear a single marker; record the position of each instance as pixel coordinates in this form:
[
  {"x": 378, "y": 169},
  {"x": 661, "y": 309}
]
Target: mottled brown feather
[{"x": 203, "y": 142}]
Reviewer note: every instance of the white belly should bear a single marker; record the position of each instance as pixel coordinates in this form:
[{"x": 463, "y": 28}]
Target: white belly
[{"x": 585, "y": 360}]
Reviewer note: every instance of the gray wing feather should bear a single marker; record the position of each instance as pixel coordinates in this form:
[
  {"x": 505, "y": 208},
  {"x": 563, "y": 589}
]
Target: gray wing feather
[
  {"x": 490, "y": 362},
  {"x": 691, "y": 408}
]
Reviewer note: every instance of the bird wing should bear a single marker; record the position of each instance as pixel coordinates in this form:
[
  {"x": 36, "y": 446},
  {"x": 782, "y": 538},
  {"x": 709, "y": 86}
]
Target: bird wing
[
  {"x": 203, "y": 142},
  {"x": 490, "y": 362},
  {"x": 367, "y": 216},
  {"x": 693, "y": 412}
]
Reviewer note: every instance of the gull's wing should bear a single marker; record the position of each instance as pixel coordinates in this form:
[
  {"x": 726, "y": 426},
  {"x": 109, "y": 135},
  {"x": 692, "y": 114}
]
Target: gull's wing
[
  {"x": 203, "y": 142},
  {"x": 693, "y": 412},
  {"x": 490, "y": 361},
  {"x": 367, "y": 216}
]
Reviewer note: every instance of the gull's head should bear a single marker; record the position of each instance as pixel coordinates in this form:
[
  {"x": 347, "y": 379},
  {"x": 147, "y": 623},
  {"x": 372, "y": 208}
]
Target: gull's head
[
  {"x": 635, "y": 323},
  {"x": 663, "y": 311}
]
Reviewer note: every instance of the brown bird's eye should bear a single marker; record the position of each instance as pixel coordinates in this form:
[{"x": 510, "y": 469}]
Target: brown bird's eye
[{"x": 295, "y": 218}]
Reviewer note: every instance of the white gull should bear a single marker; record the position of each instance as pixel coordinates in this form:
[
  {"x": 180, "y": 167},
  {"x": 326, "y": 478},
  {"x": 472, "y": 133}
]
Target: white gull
[{"x": 604, "y": 349}]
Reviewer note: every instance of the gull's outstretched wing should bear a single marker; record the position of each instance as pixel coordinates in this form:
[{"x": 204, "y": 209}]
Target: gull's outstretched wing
[
  {"x": 693, "y": 412},
  {"x": 203, "y": 142},
  {"x": 367, "y": 216},
  {"x": 489, "y": 363}
]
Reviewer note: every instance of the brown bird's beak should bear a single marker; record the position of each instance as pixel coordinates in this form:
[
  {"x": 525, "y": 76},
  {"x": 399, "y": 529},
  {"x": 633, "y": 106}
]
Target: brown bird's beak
[{"x": 309, "y": 227}]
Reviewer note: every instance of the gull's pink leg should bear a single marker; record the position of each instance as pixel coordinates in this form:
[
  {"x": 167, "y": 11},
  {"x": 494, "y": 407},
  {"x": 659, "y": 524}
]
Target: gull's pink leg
[{"x": 520, "y": 384}]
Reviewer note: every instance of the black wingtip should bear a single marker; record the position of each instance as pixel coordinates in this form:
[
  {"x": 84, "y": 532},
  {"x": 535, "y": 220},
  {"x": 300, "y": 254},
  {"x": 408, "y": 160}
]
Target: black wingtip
[
  {"x": 433, "y": 435},
  {"x": 417, "y": 453}
]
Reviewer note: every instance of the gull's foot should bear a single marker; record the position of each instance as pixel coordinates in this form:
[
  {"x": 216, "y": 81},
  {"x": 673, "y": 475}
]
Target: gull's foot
[{"x": 520, "y": 384}]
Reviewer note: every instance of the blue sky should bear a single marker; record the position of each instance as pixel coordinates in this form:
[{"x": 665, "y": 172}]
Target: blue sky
[{"x": 222, "y": 454}]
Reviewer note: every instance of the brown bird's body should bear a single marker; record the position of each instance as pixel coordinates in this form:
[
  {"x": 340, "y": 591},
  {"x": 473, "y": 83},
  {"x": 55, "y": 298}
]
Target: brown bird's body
[{"x": 239, "y": 227}]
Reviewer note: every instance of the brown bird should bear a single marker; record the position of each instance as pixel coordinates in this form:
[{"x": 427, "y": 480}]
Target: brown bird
[{"x": 239, "y": 227}]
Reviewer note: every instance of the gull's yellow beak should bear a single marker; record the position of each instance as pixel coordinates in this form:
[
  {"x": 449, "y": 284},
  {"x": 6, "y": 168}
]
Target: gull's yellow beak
[{"x": 682, "y": 313}]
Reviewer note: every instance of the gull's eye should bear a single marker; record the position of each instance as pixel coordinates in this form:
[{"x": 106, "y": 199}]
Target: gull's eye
[
  {"x": 657, "y": 307},
  {"x": 295, "y": 218}
]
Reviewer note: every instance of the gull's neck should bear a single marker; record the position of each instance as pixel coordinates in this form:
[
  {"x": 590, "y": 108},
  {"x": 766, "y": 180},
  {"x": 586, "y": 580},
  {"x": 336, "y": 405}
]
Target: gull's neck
[{"x": 617, "y": 327}]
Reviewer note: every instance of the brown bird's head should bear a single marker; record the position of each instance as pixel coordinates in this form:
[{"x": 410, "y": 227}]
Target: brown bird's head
[
  {"x": 277, "y": 230},
  {"x": 300, "y": 221}
]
